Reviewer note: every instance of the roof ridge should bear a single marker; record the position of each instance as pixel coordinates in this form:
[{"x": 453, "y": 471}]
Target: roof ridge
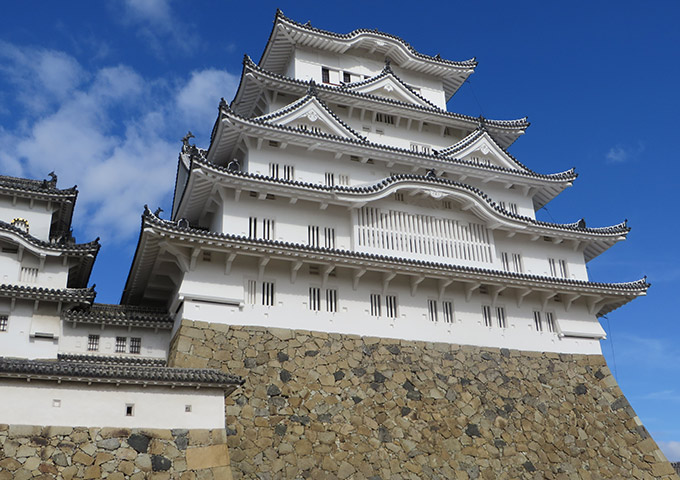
[{"x": 92, "y": 245}]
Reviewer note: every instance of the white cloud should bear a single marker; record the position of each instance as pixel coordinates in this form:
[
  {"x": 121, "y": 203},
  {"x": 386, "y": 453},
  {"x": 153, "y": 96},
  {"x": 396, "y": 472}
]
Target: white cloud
[
  {"x": 199, "y": 98},
  {"x": 671, "y": 450},
  {"x": 624, "y": 153},
  {"x": 155, "y": 12},
  {"x": 116, "y": 135}
]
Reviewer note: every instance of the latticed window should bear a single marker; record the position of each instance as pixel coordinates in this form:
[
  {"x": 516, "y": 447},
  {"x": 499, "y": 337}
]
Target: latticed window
[
  {"x": 432, "y": 310},
  {"x": 251, "y": 292},
  {"x": 558, "y": 267},
  {"x": 315, "y": 298},
  {"x": 391, "y": 306},
  {"x": 274, "y": 170},
  {"x": 93, "y": 343},
  {"x": 329, "y": 237},
  {"x": 384, "y": 118},
  {"x": 4, "y": 322},
  {"x": 486, "y": 315},
  {"x": 288, "y": 172},
  {"x": 550, "y": 322},
  {"x": 537, "y": 322},
  {"x": 121, "y": 344},
  {"x": 325, "y": 75},
  {"x": 447, "y": 309},
  {"x": 500, "y": 317},
  {"x": 375, "y": 305},
  {"x": 312, "y": 235},
  {"x": 135, "y": 345},
  {"x": 268, "y": 294},
  {"x": 329, "y": 178},
  {"x": 331, "y": 300}
]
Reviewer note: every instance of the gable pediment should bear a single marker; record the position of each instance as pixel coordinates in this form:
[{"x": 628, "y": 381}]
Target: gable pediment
[
  {"x": 479, "y": 147},
  {"x": 310, "y": 114},
  {"x": 388, "y": 86}
]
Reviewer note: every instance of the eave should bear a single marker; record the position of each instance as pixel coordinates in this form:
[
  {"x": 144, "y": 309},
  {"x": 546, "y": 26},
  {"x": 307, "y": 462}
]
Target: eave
[
  {"x": 288, "y": 34},
  {"x": 254, "y": 79},
  {"x": 601, "y": 298},
  {"x": 70, "y": 296}
]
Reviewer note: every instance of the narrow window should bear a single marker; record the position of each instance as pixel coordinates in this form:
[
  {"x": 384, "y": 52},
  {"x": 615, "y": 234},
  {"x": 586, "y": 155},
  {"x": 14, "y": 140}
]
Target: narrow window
[
  {"x": 375, "y": 305},
  {"x": 486, "y": 314},
  {"x": 447, "y": 204},
  {"x": 329, "y": 237},
  {"x": 343, "y": 180},
  {"x": 346, "y": 77},
  {"x": 314, "y": 299},
  {"x": 513, "y": 208},
  {"x": 517, "y": 262},
  {"x": 505, "y": 261},
  {"x": 251, "y": 292},
  {"x": 121, "y": 344},
  {"x": 312, "y": 235},
  {"x": 447, "y": 308},
  {"x": 130, "y": 410},
  {"x": 563, "y": 268},
  {"x": 558, "y": 268},
  {"x": 503, "y": 205},
  {"x": 550, "y": 322},
  {"x": 207, "y": 256},
  {"x": 384, "y": 118},
  {"x": 135, "y": 345},
  {"x": 331, "y": 300},
  {"x": 420, "y": 148},
  {"x": 325, "y": 75},
  {"x": 399, "y": 197},
  {"x": 500, "y": 317},
  {"x": 391, "y": 306},
  {"x": 268, "y": 294},
  {"x": 252, "y": 227},
  {"x": 432, "y": 310},
  {"x": 537, "y": 322},
  {"x": 267, "y": 229},
  {"x": 93, "y": 343},
  {"x": 330, "y": 179},
  {"x": 274, "y": 170},
  {"x": 4, "y": 321},
  {"x": 288, "y": 172},
  {"x": 29, "y": 275}
]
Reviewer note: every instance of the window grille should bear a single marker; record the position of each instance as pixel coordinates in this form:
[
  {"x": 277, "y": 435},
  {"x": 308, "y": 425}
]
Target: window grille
[
  {"x": 4, "y": 322},
  {"x": 267, "y": 229},
  {"x": 503, "y": 205},
  {"x": 517, "y": 262},
  {"x": 288, "y": 172},
  {"x": 136, "y": 345},
  {"x": 447, "y": 309},
  {"x": 550, "y": 322},
  {"x": 500, "y": 317},
  {"x": 422, "y": 234},
  {"x": 121, "y": 344},
  {"x": 391, "y": 306},
  {"x": 505, "y": 261},
  {"x": 251, "y": 292},
  {"x": 420, "y": 148},
  {"x": 252, "y": 227},
  {"x": 93, "y": 343},
  {"x": 313, "y": 269},
  {"x": 432, "y": 310},
  {"x": 343, "y": 180},
  {"x": 384, "y": 118},
  {"x": 331, "y": 300},
  {"x": 399, "y": 197},
  {"x": 558, "y": 267},
  {"x": 513, "y": 208},
  {"x": 325, "y": 75},
  {"x": 447, "y": 204},
  {"x": 537, "y": 322},
  {"x": 312, "y": 235},
  {"x": 29, "y": 275},
  {"x": 329, "y": 237},
  {"x": 346, "y": 77},
  {"x": 268, "y": 294},
  {"x": 375, "y": 305},
  {"x": 330, "y": 179},
  {"x": 314, "y": 299},
  {"x": 274, "y": 170},
  {"x": 486, "y": 314}
]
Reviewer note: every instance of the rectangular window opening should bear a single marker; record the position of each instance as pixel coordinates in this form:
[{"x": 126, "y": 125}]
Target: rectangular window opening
[
  {"x": 268, "y": 294},
  {"x": 331, "y": 300},
  {"x": 447, "y": 308},
  {"x": 4, "y": 322},
  {"x": 486, "y": 314},
  {"x": 251, "y": 292},
  {"x": 315, "y": 299},
  {"x": 130, "y": 410},
  {"x": 325, "y": 75},
  {"x": 93, "y": 343},
  {"x": 391, "y": 306},
  {"x": 135, "y": 345},
  {"x": 432, "y": 310},
  {"x": 121, "y": 344},
  {"x": 375, "y": 305},
  {"x": 500, "y": 317}
]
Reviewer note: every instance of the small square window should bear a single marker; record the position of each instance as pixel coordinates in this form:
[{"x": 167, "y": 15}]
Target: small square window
[
  {"x": 121, "y": 344},
  {"x": 135, "y": 345},
  {"x": 93, "y": 343},
  {"x": 130, "y": 410},
  {"x": 56, "y": 403},
  {"x": 187, "y": 408}
]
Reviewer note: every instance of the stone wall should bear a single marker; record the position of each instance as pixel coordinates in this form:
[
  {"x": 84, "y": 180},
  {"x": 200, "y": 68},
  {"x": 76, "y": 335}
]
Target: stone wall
[
  {"x": 333, "y": 406},
  {"x": 40, "y": 453}
]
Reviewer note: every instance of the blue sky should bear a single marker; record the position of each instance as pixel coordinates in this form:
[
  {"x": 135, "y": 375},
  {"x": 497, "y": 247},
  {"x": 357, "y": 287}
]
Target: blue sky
[{"x": 102, "y": 92}]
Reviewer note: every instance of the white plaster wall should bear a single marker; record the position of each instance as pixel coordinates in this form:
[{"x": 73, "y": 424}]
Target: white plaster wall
[
  {"x": 105, "y": 405},
  {"x": 353, "y": 316},
  {"x": 38, "y": 216},
  {"x": 18, "y": 340},
  {"x": 52, "y": 274},
  {"x": 74, "y": 339}
]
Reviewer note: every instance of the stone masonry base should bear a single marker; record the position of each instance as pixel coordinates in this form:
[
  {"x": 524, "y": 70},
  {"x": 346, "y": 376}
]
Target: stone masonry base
[{"x": 330, "y": 406}]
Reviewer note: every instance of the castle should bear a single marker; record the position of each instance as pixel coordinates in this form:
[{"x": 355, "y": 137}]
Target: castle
[{"x": 352, "y": 277}]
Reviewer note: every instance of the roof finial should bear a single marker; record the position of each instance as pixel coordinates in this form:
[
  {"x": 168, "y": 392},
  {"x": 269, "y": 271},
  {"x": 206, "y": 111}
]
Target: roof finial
[
  {"x": 185, "y": 139},
  {"x": 308, "y": 24},
  {"x": 481, "y": 121},
  {"x": 158, "y": 212},
  {"x": 53, "y": 177},
  {"x": 388, "y": 64},
  {"x": 431, "y": 173},
  {"x": 311, "y": 90}
]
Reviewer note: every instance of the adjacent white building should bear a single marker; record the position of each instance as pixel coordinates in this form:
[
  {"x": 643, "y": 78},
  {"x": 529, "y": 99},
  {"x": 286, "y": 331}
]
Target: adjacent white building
[{"x": 338, "y": 194}]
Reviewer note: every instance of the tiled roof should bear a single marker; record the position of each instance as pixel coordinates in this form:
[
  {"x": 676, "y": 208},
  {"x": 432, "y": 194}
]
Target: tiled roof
[
  {"x": 471, "y": 63},
  {"x": 109, "y": 372},
  {"x": 123, "y": 315},
  {"x": 63, "y": 246},
  {"x": 225, "y": 110},
  {"x": 39, "y": 186},
  {"x": 148, "y": 218},
  {"x": 113, "y": 359},
  {"x": 619, "y": 229},
  {"x": 76, "y": 295}
]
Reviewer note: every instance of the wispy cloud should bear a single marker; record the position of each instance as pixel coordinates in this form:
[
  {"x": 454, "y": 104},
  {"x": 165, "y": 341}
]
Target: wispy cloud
[
  {"x": 624, "y": 153},
  {"x": 664, "y": 395},
  {"x": 115, "y": 134},
  {"x": 671, "y": 450}
]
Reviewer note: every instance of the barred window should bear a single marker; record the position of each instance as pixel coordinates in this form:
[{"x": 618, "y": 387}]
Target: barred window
[
  {"x": 329, "y": 237},
  {"x": 550, "y": 322},
  {"x": 558, "y": 268},
  {"x": 4, "y": 321},
  {"x": 315, "y": 298},
  {"x": 312, "y": 235},
  {"x": 136, "y": 345},
  {"x": 384, "y": 118},
  {"x": 500, "y": 317},
  {"x": 268, "y": 294},
  {"x": 391, "y": 306},
  {"x": 288, "y": 172},
  {"x": 325, "y": 75},
  {"x": 447, "y": 308},
  {"x": 274, "y": 170},
  {"x": 331, "y": 300},
  {"x": 329, "y": 179},
  {"x": 251, "y": 292},
  {"x": 93, "y": 343},
  {"x": 537, "y": 322},
  {"x": 486, "y": 314},
  {"x": 432, "y": 310},
  {"x": 375, "y": 305},
  {"x": 121, "y": 344}
]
